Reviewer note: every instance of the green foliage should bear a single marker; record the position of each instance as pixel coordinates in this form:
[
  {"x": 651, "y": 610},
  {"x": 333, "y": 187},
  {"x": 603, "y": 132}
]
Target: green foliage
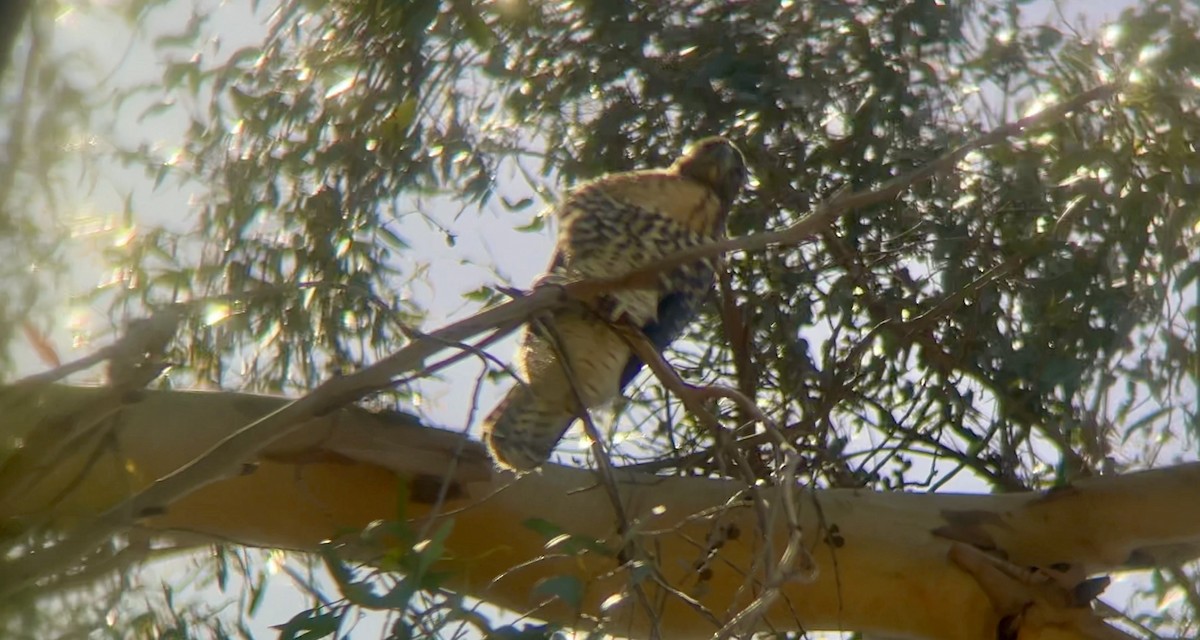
[
  {"x": 125, "y": 608},
  {"x": 561, "y": 541},
  {"x": 1034, "y": 270},
  {"x": 44, "y": 117},
  {"x": 1027, "y": 318}
]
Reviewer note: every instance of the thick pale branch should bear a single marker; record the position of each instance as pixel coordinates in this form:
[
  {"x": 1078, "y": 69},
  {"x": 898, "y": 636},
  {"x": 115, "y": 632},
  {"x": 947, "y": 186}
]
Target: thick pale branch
[
  {"x": 226, "y": 457},
  {"x": 884, "y": 560}
]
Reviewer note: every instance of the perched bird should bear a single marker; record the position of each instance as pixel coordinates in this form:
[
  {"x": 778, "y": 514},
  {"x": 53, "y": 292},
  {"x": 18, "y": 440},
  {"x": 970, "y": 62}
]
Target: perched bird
[{"x": 607, "y": 227}]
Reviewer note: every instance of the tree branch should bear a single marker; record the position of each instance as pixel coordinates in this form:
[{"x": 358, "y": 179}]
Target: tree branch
[{"x": 896, "y": 571}]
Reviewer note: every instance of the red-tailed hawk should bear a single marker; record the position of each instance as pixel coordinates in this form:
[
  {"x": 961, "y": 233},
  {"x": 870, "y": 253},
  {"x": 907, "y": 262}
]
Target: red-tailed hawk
[{"x": 607, "y": 227}]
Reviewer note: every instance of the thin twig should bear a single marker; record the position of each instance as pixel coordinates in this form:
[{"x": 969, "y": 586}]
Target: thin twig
[
  {"x": 693, "y": 398},
  {"x": 135, "y": 359},
  {"x": 605, "y": 469},
  {"x": 785, "y": 570}
]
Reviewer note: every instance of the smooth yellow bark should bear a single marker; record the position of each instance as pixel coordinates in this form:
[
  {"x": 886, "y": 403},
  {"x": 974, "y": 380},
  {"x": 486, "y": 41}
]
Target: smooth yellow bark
[{"x": 883, "y": 561}]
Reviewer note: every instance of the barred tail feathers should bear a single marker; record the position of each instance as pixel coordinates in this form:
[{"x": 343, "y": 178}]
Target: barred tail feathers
[{"x": 522, "y": 431}]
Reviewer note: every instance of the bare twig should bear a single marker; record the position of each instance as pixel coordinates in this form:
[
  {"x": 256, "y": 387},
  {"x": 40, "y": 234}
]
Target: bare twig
[
  {"x": 692, "y": 397},
  {"x": 140, "y": 346},
  {"x": 1034, "y": 598},
  {"x": 134, "y": 361},
  {"x": 607, "y": 478},
  {"x": 794, "y": 563},
  {"x": 775, "y": 572}
]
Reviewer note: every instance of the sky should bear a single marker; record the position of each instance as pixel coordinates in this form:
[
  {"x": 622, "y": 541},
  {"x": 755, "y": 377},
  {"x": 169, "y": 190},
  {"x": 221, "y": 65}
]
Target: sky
[{"x": 485, "y": 241}]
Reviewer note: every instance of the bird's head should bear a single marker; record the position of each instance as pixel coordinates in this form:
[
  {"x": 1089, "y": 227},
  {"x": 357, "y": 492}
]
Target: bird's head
[{"x": 717, "y": 163}]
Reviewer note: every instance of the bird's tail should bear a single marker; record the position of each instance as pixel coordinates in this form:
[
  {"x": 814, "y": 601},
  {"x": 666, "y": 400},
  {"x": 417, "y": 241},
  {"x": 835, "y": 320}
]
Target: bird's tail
[{"x": 523, "y": 430}]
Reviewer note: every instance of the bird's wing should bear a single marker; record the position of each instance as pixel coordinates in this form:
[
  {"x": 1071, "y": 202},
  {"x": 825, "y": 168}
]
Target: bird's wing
[
  {"x": 675, "y": 310},
  {"x": 626, "y": 221}
]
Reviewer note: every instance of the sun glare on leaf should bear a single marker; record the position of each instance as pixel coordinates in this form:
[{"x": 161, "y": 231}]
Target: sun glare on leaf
[
  {"x": 275, "y": 561},
  {"x": 509, "y": 7},
  {"x": 116, "y": 277},
  {"x": 78, "y": 321},
  {"x": 972, "y": 162},
  {"x": 89, "y": 226},
  {"x": 123, "y": 236},
  {"x": 1112, "y": 35},
  {"x": 216, "y": 312},
  {"x": 1172, "y": 596},
  {"x": 64, "y": 15},
  {"x": 78, "y": 318},
  {"x": 612, "y": 601},
  {"x": 1151, "y": 52},
  {"x": 1039, "y": 104},
  {"x": 341, "y": 87}
]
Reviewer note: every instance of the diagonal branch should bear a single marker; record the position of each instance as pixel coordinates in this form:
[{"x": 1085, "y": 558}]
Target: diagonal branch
[{"x": 842, "y": 203}]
